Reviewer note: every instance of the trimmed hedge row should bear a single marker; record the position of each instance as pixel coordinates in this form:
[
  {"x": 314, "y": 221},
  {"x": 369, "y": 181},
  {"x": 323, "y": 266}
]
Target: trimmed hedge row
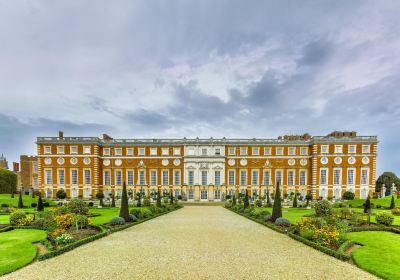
[
  {"x": 380, "y": 228},
  {"x": 346, "y": 245},
  {"x": 314, "y": 245}
]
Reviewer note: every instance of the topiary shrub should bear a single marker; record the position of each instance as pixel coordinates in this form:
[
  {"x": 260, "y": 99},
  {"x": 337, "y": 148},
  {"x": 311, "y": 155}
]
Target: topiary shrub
[
  {"x": 378, "y": 206},
  {"x": 33, "y": 204},
  {"x": 384, "y": 219},
  {"x": 91, "y": 204},
  {"x": 132, "y": 218},
  {"x": 348, "y": 195},
  {"x": 282, "y": 222},
  {"x": 19, "y": 218},
  {"x": 323, "y": 208},
  {"x": 146, "y": 202},
  {"x": 77, "y": 206},
  {"x": 137, "y": 213},
  {"x": 267, "y": 218},
  {"x": 46, "y": 204},
  {"x": 259, "y": 203},
  {"x": 4, "y": 205},
  {"x": 117, "y": 221},
  {"x": 39, "y": 223},
  {"x": 61, "y": 194}
]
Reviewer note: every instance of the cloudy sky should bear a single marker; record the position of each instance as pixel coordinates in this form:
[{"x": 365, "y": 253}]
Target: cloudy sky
[{"x": 138, "y": 69}]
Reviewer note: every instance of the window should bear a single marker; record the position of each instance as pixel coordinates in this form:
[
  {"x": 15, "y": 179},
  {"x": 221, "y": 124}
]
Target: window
[
  {"x": 153, "y": 177},
  {"x": 292, "y": 151},
  {"x": 279, "y": 151},
  {"x": 165, "y": 178},
  {"x": 303, "y": 151},
  {"x": 118, "y": 178},
  {"x": 232, "y": 151},
  {"x": 86, "y": 149},
  {"x": 49, "y": 177},
  {"x": 35, "y": 167},
  {"x": 267, "y": 151},
  {"x": 142, "y": 178},
  {"x": 323, "y": 176},
  {"x": 302, "y": 177},
  {"x": 165, "y": 151},
  {"x": 129, "y": 151},
  {"x": 203, "y": 152},
  {"x": 204, "y": 178},
  {"x": 243, "y": 151},
  {"x": 117, "y": 151},
  {"x": 278, "y": 177},
  {"x": 47, "y": 149},
  {"x": 177, "y": 193},
  {"x": 364, "y": 176},
  {"x": 61, "y": 176},
  {"x": 106, "y": 151},
  {"x": 73, "y": 149},
  {"x": 290, "y": 178},
  {"x": 254, "y": 177},
  {"x": 217, "y": 151},
  {"x": 141, "y": 152},
  {"x": 191, "y": 194},
  {"x": 338, "y": 149},
  {"x": 129, "y": 179},
  {"x": 365, "y": 149},
  {"x": 352, "y": 149},
  {"x": 256, "y": 151},
  {"x": 153, "y": 151},
  {"x": 203, "y": 194},
  {"x": 191, "y": 151},
  {"x": 243, "y": 178},
  {"x": 87, "y": 176},
  {"x": 217, "y": 175},
  {"x": 107, "y": 178},
  {"x": 191, "y": 178},
  {"x": 267, "y": 178},
  {"x": 217, "y": 194},
  {"x": 324, "y": 149},
  {"x": 337, "y": 176},
  {"x": 350, "y": 176},
  {"x": 177, "y": 151},
  {"x": 74, "y": 177},
  {"x": 231, "y": 177},
  {"x": 177, "y": 177}
]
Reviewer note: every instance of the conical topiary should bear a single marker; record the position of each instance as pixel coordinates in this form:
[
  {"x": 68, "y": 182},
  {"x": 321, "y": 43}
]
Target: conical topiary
[
  {"x": 113, "y": 200},
  {"x": 20, "y": 202},
  {"x": 392, "y": 204},
  {"x": 246, "y": 200},
  {"x": 124, "y": 210},
  {"x": 234, "y": 200},
  {"x": 367, "y": 205},
  {"x": 171, "y": 198},
  {"x": 295, "y": 201},
  {"x": 40, "y": 206},
  {"x": 269, "y": 204},
  {"x": 158, "y": 197},
  {"x": 277, "y": 208}
]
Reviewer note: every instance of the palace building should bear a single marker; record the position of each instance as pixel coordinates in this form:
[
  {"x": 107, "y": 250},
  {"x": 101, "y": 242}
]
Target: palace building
[{"x": 208, "y": 169}]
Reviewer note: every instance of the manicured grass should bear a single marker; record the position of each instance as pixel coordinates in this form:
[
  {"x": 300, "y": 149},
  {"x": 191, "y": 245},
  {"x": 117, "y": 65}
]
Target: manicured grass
[
  {"x": 294, "y": 214},
  {"x": 4, "y": 219},
  {"x": 384, "y": 202},
  {"x": 27, "y": 200},
  {"x": 106, "y": 215},
  {"x": 16, "y": 248},
  {"x": 380, "y": 252}
]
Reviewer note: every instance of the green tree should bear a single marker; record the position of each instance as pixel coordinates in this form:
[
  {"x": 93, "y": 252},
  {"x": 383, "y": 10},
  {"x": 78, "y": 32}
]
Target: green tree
[
  {"x": 387, "y": 179},
  {"x": 277, "y": 208},
  {"x": 269, "y": 204},
  {"x": 158, "y": 197},
  {"x": 124, "y": 210},
  {"x": 40, "y": 206},
  {"x": 234, "y": 200},
  {"x": 171, "y": 197},
  {"x": 8, "y": 181},
  {"x": 139, "y": 202},
  {"x": 367, "y": 208},
  {"x": 20, "y": 202},
  {"x": 61, "y": 194},
  {"x": 308, "y": 198},
  {"x": 113, "y": 199},
  {"x": 100, "y": 196},
  {"x": 392, "y": 203},
  {"x": 246, "y": 200},
  {"x": 295, "y": 200}
]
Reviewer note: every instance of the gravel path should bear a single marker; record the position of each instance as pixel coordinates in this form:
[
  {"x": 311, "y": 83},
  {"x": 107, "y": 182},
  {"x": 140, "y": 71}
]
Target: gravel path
[{"x": 196, "y": 242}]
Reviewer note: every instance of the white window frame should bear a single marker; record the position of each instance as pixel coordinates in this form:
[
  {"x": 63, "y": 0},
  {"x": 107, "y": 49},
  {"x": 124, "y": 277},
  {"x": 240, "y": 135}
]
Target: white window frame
[
  {"x": 303, "y": 151},
  {"x": 204, "y": 178},
  {"x": 339, "y": 182},
  {"x": 354, "y": 147},
  {"x": 368, "y": 149},
  {"x": 292, "y": 151},
  {"x": 217, "y": 182},
  {"x": 321, "y": 182},
  {"x": 48, "y": 179},
  {"x": 232, "y": 151},
  {"x": 129, "y": 151},
  {"x": 59, "y": 177},
  {"x": 71, "y": 150},
  {"x": 353, "y": 183},
  {"x": 267, "y": 182},
  {"x": 106, "y": 151},
  {"x": 280, "y": 171},
  {"x": 292, "y": 181},
  {"x": 279, "y": 151},
  {"x": 267, "y": 151},
  {"x": 217, "y": 151},
  {"x": 177, "y": 180},
  {"x": 255, "y": 151},
  {"x": 85, "y": 181},
  {"x": 230, "y": 182},
  {"x": 165, "y": 151},
  {"x": 366, "y": 183},
  {"x": 303, "y": 180},
  {"x": 163, "y": 172},
  {"x": 141, "y": 151},
  {"x": 153, "y": 151},
  {"x": 204, "y": 151},
  {"x": 243, "y": 179},
  {"x": 255, "y": 179},
  {"x": 107, "y": 171},
  {"x": 338, "y": 149},
  {"x": 130, "y": 177},
  {"x": 153, "y": 179},
  {"x": 116, "y": 181},
  {"x": 177, "y": 151},
  {"x": 324, "y": 149},
  {"x": 190, "y": 177},
  {"x": 72, "y": 176},
  {"x": 141, "y": 179},
  {"x": 47, "y": 150},
  {"x": 117, "y": 151},
  {"x": 243, "y": 151},
  {"x": 86, "y": 150}
]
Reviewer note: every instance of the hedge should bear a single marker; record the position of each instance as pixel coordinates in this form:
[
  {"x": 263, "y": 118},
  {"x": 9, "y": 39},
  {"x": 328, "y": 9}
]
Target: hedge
[
  {"x": 346, "y": 245},
  {"x": 314, "y": 245}
]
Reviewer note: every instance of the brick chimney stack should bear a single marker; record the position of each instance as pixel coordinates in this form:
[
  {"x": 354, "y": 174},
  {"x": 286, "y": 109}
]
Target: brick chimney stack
[
  {"x": 61, "y": 134},
  {"x": 15, "y": 167}
]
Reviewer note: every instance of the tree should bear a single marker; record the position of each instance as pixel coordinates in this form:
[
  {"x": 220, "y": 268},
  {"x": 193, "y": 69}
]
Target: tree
[
  {"x": 367, "y": 208},
  {"x": 124, "y": 210},
  {"x": 308, "y": 198},
  {"x": 171, "y": 197},
  {"x": 269, "y": 204},
  {"x": 348, "y": 195},
  {"x": 295, "y": 201},
  {"x": 20, "y": 202},
  {"x": 277, "y": 208},
  {"x": 8, "y": 181},
  {"x": 234, "y": 200},
  {"x": 113, "y": 199},
  {"x": 158, "y": 197},
  {"x": 246, "y": 200},
  {"x": 40, "y": 206},
  {"x": 61, "y": 194},
  {"x": 387, "y": 179},
  {"x": 392, "y": 204},
  {"x": 139, "y": 202},
  {"x": 100, "y": 196}
]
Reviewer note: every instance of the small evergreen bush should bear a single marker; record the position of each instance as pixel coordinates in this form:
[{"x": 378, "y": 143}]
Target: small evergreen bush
[
  {"x": 348, "y": 195},
  {"x": 132, "y": 218},
  {"x": 323, "y": 208},
  {"x": 117, "y": 221},
  {"x": 33, "y": 204},
  {"x": 384, "y": 219},
  {"x": 282, "y": 222}
]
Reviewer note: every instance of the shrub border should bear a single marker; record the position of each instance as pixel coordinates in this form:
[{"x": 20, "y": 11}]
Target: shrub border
[
  {"x": 105, "y": 230},
  {"x": 330, "y": 252}
]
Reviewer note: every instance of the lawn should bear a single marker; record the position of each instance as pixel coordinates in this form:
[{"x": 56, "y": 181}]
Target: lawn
[
  {"x": 380, "y": 252},
  {"x": 27, "y": 200},
  {"x": 16, "y": 248},
  {"x": 4, "y": 219},
  {"x": 294, "y": 214},
  {"x": 106, "y": 215},
  {"x": 384, "y": 202}
]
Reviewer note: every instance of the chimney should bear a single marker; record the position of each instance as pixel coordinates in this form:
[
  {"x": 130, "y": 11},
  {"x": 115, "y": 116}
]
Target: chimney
[
  {"x": 61, "y": 134},
  {"x": 107, "y": 137},
  {"x": 15, "y": 167}
]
